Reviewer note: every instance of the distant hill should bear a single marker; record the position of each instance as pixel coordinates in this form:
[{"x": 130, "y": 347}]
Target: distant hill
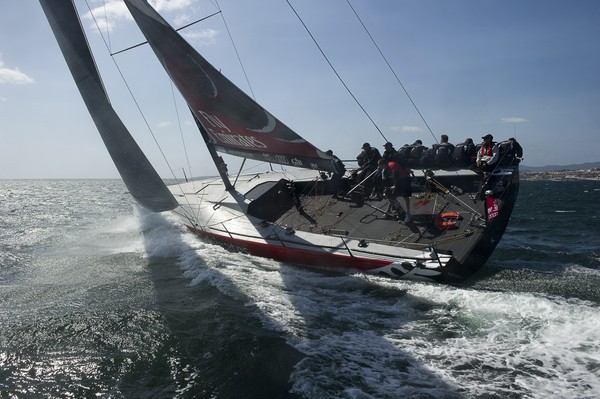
[{"x": 552, "y": 168}]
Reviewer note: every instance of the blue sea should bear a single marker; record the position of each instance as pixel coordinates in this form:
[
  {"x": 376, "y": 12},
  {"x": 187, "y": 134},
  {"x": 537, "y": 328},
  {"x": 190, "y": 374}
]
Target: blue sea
[{"x": 99, "y": 299}]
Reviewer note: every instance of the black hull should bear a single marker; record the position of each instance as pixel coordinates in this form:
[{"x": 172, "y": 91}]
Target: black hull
[{"x": 460, "y": 271}]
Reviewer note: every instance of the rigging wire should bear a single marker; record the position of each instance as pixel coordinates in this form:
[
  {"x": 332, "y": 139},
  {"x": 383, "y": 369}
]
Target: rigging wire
[
  {"x": 218, "y": 7},
  {"x": 176, "y": 30},
  {"x": 394, "y": 73},
  {"x": 187, "y": 159},
  {"x": 107, "y": 27},
  {"x": 235, "y": 49},
  {"x": 336, "y": 72},
  {"x": 392, "y": 70}
]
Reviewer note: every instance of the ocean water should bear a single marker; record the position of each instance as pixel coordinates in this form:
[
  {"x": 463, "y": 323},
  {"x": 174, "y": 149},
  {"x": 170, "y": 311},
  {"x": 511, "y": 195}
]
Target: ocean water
[{"x": 98, "y": 299}]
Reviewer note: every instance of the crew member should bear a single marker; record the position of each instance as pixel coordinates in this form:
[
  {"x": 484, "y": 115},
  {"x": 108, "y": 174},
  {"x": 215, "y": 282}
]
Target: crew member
[
  {"x": 443, "y": 152},
  {"x": 402, "y": 188},
  {"x": 390, "y": 154},
  {"x": 487, "y": 155},
  {"x": 367, "y": 161},
  {"x": 338, "y": 171}
]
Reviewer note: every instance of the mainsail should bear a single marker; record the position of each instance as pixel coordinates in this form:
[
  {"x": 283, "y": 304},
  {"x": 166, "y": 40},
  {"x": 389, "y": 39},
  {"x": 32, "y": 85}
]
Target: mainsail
[
  {"x": 234, "y": 122},
  {"x": 142, "y": 181}
]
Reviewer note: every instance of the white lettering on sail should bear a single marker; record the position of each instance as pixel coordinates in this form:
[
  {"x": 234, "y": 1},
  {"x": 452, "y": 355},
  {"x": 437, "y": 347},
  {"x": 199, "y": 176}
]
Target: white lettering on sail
[
  {"x": 220, "y": 133},
  {"x": 214, "y": 121},
  {"x": 236, "y": 140}
]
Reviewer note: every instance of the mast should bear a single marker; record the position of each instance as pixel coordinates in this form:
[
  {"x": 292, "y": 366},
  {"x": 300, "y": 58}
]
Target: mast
[{"x": 217, "y": 159}]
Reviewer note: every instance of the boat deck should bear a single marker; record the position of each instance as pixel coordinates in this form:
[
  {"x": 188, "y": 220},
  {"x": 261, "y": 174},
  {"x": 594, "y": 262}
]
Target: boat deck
[{"x": 376, "y": 221}]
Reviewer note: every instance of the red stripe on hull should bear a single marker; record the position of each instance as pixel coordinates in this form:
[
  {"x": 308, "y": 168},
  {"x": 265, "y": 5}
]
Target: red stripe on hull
[{"x": 295, "y": 255}]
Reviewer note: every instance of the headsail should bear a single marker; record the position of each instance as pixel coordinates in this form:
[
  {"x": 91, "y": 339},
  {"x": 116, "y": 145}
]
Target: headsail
[
  {"x": 235, "y": 123},
  {"x": 139, "y": 176}
]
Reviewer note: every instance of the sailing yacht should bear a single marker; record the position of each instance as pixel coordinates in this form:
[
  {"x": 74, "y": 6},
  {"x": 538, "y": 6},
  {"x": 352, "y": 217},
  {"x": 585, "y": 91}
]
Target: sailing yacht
[{"x": 299, "y": 215}]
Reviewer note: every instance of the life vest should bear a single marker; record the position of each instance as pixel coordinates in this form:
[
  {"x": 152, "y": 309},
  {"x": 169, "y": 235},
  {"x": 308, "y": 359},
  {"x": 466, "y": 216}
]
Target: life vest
[
  {"x": 447, "y": 220},
  {"x": 508, "y": 151},
  {"x": 464, "y": 153},
  {"x": 487, "y": 151},
  {"x": 428, "y": 157},
  {"x": 404, "y": 152},
  {"x": 390, "y": 155},
  {"x": 443, "y": 155}
]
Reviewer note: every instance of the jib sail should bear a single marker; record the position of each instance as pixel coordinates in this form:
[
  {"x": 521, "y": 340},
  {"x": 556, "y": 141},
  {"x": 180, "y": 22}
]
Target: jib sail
[{"x": 234, "y": 122}]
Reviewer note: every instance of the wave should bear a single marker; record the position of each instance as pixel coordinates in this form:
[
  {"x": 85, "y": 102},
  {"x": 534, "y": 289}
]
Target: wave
[{"x": 369, "y": 336}]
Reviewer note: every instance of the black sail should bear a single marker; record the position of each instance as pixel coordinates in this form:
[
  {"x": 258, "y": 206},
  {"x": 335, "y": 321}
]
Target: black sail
[{"x": 142, "y": 181}]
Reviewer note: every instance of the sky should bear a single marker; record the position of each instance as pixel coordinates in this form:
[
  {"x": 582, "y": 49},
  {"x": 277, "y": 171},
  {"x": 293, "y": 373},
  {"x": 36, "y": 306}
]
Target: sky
[{"x": 513, "y": 68}]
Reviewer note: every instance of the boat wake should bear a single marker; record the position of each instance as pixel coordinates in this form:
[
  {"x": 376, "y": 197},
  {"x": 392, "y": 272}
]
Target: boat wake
[{"x": 366, "y": 335}]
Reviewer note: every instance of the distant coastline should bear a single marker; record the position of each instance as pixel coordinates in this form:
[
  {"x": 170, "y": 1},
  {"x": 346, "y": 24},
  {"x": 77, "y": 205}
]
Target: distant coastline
[
  {"x": 578, "y": 174},
  {"x": 582, "y": 171}
]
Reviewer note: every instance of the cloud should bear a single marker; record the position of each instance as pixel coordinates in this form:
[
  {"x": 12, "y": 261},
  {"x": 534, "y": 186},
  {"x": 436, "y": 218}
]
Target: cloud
[
  {"x": 406, "y": 129},
  {"x": 514, "y": 119},
  {"x": 170, "y": 5},
  {"x": 181, "y": 19},
  {"x": 106, "y": 16},
  {"x": 13, "y": 76},
  {"x": 112, "y": 12},
  {"x": 163, "y": 124},
  {"x": 203, "y": 37}
]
